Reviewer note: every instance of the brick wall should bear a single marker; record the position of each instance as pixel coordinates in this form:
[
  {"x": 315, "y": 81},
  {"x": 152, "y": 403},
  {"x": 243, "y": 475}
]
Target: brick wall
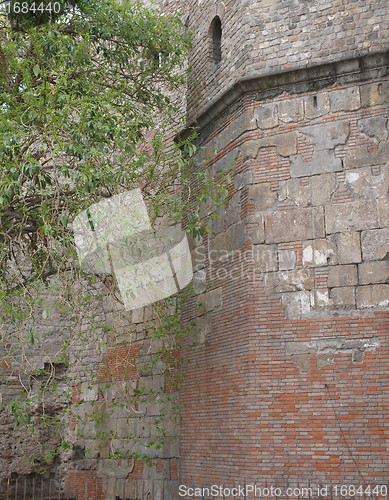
[{"x": 290, "y": 376}]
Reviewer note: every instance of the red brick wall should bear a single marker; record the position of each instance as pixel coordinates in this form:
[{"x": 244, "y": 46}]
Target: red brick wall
[{"x": 249, "y": 411}]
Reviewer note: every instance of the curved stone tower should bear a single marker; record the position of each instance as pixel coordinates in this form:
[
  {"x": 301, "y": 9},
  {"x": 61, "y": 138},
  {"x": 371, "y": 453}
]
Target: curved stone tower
[{"x": 290, "y": 377}]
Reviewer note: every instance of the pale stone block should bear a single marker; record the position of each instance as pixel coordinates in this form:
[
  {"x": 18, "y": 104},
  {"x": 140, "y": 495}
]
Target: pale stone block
[
  {"x": 220, "y": 246},
  {"x": 324, "y": 359},
  {"x": 227, "y": 162},
  {"x": 286, "y": 145},
  {"x": 351, "y": 216},
  {"x": 238, "y": 236},
  {"x": 296, "y": 280},
  {"x": 322, "y": 299},
  {"x": 302, "y": 361},
  {"x": 373, "y": 272},
  {"x": 265, "y": 258},
  {"x": 372, "y": 296},
  {"x": 316, "y": 105},
  {"x": 345, "y": 99},
  {"x": 322, "y": 162},
  {"x": 319, "y": 252},
  {"x": 262, "y": 195},
  {"x": 266, "y": 116},
  {"x": 232, "y": 214},
  {"x": 362, "y": 157},
  {"x": 322, "y": 188},
  {"x": 89, "y": 392},
  {"x": 374, "y": 126},
  {"x": 374, "y": 94},
  {"x": 300, "y": 195},
  {"x": 349, "y": 248},
  {"x": 214, "y": 299},
  {"x": 242, "y": 180},
  {"x": 243, "y": 123},
  {"x": 294, "y": 225},
  {"x": 216, "y": 224},
  {"x": 199, "y": 281},
  {"x": 343, "y": 298},
  {"x": 328, "y": 135},
  {"x": 257, "y": 235},
  {"x": 291, "y": 110},
  {"x": 375, "y": 244},
  {"x": 383, "y": 212},
  {"x": 297, "y": 304},
  {"x": 199, "y": 258},
  {"x": 287, "y": 259},
  {"x": 342, "y": 275}
]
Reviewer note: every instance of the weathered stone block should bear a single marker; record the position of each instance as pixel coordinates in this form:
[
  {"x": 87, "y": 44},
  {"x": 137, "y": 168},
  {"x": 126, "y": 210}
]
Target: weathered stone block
[
  {"x": 294, "y": 225},
  {"x": 291, "y": 110},
  {"x": 322, "y": 299},
  {"x": 216, "y": 224},
  {"x": 262, "y": 195},
  {"x": 232, "y": 214},
  {"x": 366, "y": 183},
  {"x": 343, "y": 298},
  {"x": 319, "y": 252},
  {"x": 242, "y": 180},
  {"x": 324, "y": 358},
  {"x": 201, "y": 331},
  {"x": 297, "y": 304},
  {"x": 257, "y": 232},
  {"x": 328, "y": 135},
  {"x": 362, "y": 157},
  {"x": 296, "y": 280},
  {"x": 199, "y": 281},
  {"x": 243, "y": 123},
  {"x": 226, "y": 162},
  {"x": 345, "y": 99},
  {"x": 238, "y": 236},
  {"x": 322, "y": 188},
  {"x": 383, "y": 211},
  {"x": 292, "y": 189},
  {"x": 374, "y": 126},
  {"x": 302, "y": 361},
  {"x": 342, "y": 275},
  {"x": 351, "y": 216},
  {"x": 210, "y": 301},
  {"x": 374, "y": 94},
  {"x": 322, "y": 162},
  {"x": 349, "y": 248},
  {"x": 287, "y": 259},
  {"x": 219, "y": 245},
  {"x": 266, "y": 116},
  {"x": 265, "y": 258},
  {"x": 316, "y": 105},
  {"x": 286, "y": 145},
  {"x": 373, "y": 272},
  {"x": 372, "y": 296},
  {"x": 375, "y": 244},
  {"x": 89, "y": 392}
]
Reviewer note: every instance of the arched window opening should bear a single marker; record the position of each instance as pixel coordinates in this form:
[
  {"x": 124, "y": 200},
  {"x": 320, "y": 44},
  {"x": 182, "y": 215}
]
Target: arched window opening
[{"x": 216, "y": 34}]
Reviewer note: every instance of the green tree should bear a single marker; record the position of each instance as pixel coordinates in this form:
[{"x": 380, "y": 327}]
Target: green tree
[{"x": 87, "y": 96}]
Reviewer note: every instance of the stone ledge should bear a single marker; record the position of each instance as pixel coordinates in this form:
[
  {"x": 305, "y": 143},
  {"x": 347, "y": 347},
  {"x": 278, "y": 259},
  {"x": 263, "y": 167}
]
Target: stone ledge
[{"x": 297, "y": 81}]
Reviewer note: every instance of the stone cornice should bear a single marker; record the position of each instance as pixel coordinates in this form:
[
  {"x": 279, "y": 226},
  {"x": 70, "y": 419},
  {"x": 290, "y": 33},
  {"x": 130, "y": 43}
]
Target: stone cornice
[{"x": 295, "y": 81}]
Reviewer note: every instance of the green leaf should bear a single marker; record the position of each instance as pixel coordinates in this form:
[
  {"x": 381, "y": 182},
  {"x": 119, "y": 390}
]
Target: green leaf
[
  {"x": 46, "y": 313},
  {"x": 36, "y": 70}
]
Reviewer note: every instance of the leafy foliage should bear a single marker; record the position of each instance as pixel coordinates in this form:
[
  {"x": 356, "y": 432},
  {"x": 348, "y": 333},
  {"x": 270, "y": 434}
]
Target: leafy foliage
[{"x": 87, "y": 99}]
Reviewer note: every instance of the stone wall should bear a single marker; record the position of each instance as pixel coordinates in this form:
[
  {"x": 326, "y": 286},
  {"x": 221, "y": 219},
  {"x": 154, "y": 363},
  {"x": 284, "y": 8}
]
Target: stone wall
[
  {"x": 270, "y": 36},
  {"x": 293, "y": 356}
]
